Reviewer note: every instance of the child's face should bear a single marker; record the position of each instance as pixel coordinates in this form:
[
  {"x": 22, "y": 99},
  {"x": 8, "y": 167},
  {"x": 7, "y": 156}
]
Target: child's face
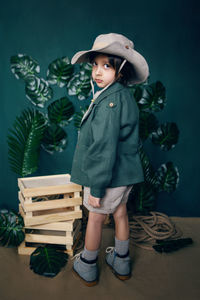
[{"x": 102, "y": 72}]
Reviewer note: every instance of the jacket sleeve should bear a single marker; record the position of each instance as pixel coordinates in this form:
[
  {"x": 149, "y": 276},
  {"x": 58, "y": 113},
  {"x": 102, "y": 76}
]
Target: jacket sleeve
[{"x": 101, "y": 155}]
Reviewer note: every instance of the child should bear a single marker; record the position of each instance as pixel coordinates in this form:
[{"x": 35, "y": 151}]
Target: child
[{"x": 106, "y": 159}]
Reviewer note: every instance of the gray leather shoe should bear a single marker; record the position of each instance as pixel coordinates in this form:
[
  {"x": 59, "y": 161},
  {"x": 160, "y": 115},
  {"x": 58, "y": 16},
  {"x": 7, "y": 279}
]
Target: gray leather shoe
[
  {"x": 120, "y": 266},
  {"x": 87, "y": 272}
]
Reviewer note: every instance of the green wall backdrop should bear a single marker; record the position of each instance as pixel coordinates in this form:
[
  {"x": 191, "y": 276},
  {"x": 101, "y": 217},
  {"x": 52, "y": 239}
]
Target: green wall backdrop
[{"x": 165, "y": 32}]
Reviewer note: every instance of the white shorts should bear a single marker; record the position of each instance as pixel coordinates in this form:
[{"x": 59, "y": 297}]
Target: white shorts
[{"x": 112, "y": 199}]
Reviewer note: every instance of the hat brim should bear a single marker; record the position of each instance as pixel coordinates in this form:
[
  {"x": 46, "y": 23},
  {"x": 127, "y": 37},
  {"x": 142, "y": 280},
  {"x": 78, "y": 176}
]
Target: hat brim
[{"x": 141, "y": 69}]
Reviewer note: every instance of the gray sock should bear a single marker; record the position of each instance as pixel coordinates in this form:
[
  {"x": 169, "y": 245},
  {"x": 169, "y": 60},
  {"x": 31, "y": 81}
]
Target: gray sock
[
  {"x": 121, "y": 247},
  {"x": 89, "y": 255}
]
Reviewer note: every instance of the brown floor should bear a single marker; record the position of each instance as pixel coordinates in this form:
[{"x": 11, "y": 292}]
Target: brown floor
[{"x": 156, "y": 276}]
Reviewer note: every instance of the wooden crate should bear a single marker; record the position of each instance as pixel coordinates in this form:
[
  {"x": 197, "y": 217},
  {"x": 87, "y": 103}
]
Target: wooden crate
[
  {"x": 63, "y": 235},
  {"x": 46, "y": 199}
]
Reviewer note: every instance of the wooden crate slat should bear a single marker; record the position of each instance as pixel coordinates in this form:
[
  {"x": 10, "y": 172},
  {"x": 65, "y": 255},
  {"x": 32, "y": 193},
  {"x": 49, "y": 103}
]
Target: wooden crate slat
[
  {"x": 25, "y": 179},
  {"x": 21, "y": 211},
  {"x": 48, "y": 239},
  {"x": 45, "y": 185},
  {"x": 43, "y": 219},
  {"x": 28, "y": 201},
  {"x": 27, "y": 250},
  {"x": 62, "y": 226},
  {"x": 61, "y": 203},
  {"x": 77, "y": 194},
  {"x": 52, "y": 218},
  {"x": 51, "y": 190},
  {"x": 21, "y": 198},
  {"x": 49, "y": 204},
  {"x": 20, "y": 185}
]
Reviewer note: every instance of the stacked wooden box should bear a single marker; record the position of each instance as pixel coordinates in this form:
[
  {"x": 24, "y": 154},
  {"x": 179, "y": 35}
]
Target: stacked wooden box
[{"x": 50, "y": 207}]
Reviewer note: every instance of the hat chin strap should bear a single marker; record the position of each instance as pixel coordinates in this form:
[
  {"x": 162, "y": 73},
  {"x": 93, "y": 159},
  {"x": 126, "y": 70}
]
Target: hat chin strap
[
  {"x": 122, "y": 64},
  {"x": 91, "y": 81}
]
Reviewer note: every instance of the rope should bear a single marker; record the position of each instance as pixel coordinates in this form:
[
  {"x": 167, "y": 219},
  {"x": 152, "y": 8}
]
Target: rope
[{"x": 145, "y": 230}]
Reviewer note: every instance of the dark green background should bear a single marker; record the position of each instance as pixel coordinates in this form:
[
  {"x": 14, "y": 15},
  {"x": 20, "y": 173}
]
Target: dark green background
[{"x": 165, "y": 32}]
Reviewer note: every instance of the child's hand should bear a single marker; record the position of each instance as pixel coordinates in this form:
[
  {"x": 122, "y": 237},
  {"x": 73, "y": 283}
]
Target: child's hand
[{"x": 93, "y": 201}]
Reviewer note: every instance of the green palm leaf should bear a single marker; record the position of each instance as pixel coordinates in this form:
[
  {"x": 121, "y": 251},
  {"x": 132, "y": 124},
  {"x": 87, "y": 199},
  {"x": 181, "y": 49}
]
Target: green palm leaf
[
  {"x": 137, "y": 89},
  {"x": 11, "y": 228},
  {"x": 167, "y": 177},
  {"x": 148, "y": 123},
  {"x": 60, "y": 71},
  {"x": 47, "y": 261},
  {"x": 142, "y": 198},
  {"x": 86, "y": 68},
  {"x": 55, "y": 139},
  {"x": 24, "y": 142},
  {"x": 24, "y": 66},
  {"x": 166, "y": 136},
  {"x": 38, "y": 91},
  {"x": 78, "y": 117},
  {"x": 151, "y": 97},
  {"x": 61, "y": 111},
  {"x": 80, "y": 85}
]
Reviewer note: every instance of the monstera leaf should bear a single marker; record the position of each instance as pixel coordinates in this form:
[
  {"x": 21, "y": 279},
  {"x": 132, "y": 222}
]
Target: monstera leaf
[
  {"x": 61, "y": 111},
  {"x": 166, "y": 136},
  {"x": 55, "y": 139},
  {"x": 60, "y": 71},
  {"x": 78, "y": 117},
  {"x": 24, "y": 142},
  {"x": 149, "y": 173},
  {"x": 80, "y": 85},
  {"x": 148, "y": 123},
  {"x": 151, "y": 97},
  {"x": 142, "y": 198},
  {"x": 87, "y": 68},
  {"x": 167, "y": 177},
  {"x": 38, "y": 91},
  {"x": 135, "y": 89},
  {"x": 11, "y": 228},
  {"x": 47, "y": 261},
  {"x": 24, "y": 66}
]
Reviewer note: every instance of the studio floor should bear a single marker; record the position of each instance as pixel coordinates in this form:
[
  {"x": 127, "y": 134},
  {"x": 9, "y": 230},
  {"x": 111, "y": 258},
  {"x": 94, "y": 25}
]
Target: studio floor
[{"x": 156, "y": 276}]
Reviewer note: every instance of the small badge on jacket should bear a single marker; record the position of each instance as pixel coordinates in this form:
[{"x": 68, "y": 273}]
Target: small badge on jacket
[{"x": 112, "y": 104}]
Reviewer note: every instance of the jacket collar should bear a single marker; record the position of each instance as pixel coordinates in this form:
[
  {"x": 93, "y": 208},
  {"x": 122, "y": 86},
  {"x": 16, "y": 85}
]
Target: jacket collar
[{"x": 116, "y": 86}]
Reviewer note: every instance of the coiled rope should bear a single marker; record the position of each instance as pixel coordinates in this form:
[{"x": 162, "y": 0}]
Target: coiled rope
[{"x": 145, "y": 230}]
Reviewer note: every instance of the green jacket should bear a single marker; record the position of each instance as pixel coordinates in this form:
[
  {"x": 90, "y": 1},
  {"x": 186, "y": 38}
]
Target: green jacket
[{"x": 106, "y": 153}]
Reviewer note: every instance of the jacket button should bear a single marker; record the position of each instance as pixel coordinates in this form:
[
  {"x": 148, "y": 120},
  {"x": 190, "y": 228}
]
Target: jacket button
[{"x": 111, "y": 104}]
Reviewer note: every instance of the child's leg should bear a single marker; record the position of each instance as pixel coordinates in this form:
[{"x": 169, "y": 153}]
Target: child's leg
[
  {"x": 121, "y": 222},
  {"x": 121, "y": 229},
  {"x": 93, "y": 235},
  {"x": 118, "y": 258},
  {"x": 85, "y": 265}
]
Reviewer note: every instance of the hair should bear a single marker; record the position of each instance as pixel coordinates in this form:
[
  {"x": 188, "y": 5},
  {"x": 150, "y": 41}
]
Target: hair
[{"x": 115, "y": 61}]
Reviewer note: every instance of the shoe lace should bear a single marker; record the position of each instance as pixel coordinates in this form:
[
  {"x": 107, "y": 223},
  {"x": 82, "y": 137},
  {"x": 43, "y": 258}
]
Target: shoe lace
[
  {"x": 76, "y": 256},
  {"x": 110, "y": 249}
]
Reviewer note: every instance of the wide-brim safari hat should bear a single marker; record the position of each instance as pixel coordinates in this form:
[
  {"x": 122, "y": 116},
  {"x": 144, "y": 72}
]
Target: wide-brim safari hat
[{"x": 117, "y": 44}]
